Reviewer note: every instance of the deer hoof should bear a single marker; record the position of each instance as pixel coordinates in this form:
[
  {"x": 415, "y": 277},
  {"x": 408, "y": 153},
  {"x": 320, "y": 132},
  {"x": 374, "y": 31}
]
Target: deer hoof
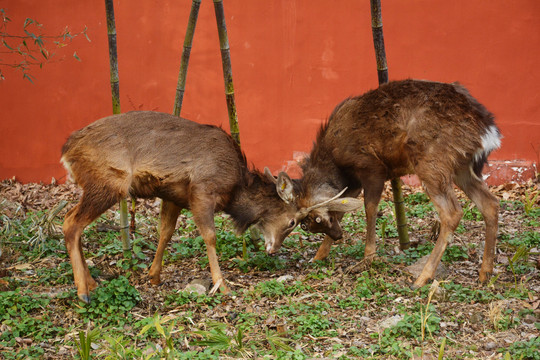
[
  {"x": 484, "y": 276},
  {"x": 85, "y": 298},
  {"x": 155, "y": 280},
  {"x": 413, "y": 286},
  {"x": 419, "y": 283}
]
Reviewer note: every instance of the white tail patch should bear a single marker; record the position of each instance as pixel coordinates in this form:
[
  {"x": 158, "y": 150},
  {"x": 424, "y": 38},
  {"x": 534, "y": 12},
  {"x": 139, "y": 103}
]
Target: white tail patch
[
  {"x": 491, "y": 140},
  {"x": 67, "y": 166}
]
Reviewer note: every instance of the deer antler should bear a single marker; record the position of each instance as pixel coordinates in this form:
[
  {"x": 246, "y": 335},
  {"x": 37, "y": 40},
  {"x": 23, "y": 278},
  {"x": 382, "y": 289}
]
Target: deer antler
[{"x": 303, "y": 212}]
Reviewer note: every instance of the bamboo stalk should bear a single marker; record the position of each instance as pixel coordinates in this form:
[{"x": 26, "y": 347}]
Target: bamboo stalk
[
  {"x": 113, "y": 56},
  {"x": 115, "y": 90},
  {"x": 188, "y": 41},
  {"x": 382, "y": 72},
  {"x": 227, "y": 70}
]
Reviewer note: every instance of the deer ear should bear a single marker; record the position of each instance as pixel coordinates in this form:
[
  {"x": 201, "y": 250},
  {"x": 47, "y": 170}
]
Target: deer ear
[
  {"x": 285, "y": 188},
  {"x": 269, "y": 175},
  {"x": 343, "y": 204}
]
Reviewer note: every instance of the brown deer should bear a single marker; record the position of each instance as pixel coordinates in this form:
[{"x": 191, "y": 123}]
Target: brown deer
[
  {"x": 434, "y": 130},
  {"x": 188, "y": 165}
]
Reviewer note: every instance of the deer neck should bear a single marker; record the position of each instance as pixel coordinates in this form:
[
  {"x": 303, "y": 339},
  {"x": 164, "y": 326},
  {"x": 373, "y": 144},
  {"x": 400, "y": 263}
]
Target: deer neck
[
  {"x": 322, "y": 179},
  {"x": 247, "y": 204}
]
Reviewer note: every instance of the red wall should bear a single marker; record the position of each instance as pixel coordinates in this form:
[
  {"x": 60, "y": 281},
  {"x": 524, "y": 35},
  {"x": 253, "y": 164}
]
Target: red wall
[{"x": 293, "y": 61}]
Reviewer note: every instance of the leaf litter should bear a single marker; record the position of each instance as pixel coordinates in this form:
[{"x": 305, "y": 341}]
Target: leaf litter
[{"x": 339, "y": 308}]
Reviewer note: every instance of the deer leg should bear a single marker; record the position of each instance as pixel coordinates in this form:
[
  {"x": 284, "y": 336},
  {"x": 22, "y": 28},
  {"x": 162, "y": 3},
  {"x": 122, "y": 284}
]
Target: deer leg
[
  {"x": 372, "y": 195},
  {"x": 89, "y": 208},
  {"x": 488, "y": 205},
  {"x": 203, "y": 214},
  {"x": 326, "y": 245},
  {"x": 449, "y": 210},
  {"x": 90, "y": 282},
  {"x": 324, "y": 249},
  {"x": 169, "y": 215}
]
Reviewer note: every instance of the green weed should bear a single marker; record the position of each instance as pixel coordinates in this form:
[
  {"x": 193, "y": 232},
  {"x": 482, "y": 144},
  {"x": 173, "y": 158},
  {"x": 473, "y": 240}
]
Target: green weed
[
  {"x": 179, "y": 298},
  {"x": 111, "y": 302},
  {"x": 526, "y": 350}
]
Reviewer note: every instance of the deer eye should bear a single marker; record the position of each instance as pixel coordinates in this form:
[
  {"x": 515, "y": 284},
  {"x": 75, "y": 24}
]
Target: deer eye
[
  {"x": 303, "y": 226},
  {"x": 318, "y": 219},
  {"x": 292, "y": 223}
]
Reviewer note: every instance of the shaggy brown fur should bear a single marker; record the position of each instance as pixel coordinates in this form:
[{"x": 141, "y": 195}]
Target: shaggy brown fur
[
  {"x": 435, "y": 130},
  {"x": 188, "y": 165}
]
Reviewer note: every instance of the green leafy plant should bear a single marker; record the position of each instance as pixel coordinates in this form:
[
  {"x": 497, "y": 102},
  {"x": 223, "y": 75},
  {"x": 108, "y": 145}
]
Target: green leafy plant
[
  {"x": 25, "y": 315},
  {"x": 529, "y": 201},
  {"x": 455, "y": 253},
  {"x": 84, "y": 345},
  {"x": 470, "y": 212},
  {"x": 166, "y": 333},
  {"x": 120, "y": 349},
  {"x": 183, "y": 297},
  {"x": 420, "y": 210},
  {"x": 521, "y": 255},
  {"x": 217, "y": 339},
  {"x": 260, "y": 261},
  {"x": 315, "y": 325},
  {"x": 111, "y": 301},
  {"x": 462, "y": 294},
  {"x": 526, "y": 350},
  {"x": 278, "y": 342},
  {"x": 412, "y": 254}
]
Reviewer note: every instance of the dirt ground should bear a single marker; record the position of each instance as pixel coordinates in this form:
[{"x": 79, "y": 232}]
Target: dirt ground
[{"x": 469, "y": 324}]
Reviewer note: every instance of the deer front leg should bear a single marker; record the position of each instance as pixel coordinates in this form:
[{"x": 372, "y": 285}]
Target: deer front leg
[
  {"x": 90, "y": 282},
  {"x": 324, "y": 249},
  {"x": 217, "y": 277},
  {"x": 203, "y": 214},
  {"x": 372, "y": 195},
  {"x": 169, "y": 215}
]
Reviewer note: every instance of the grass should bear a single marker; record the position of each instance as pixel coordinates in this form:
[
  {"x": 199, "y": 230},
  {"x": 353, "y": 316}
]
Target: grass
[{"x": 333, "y": 308}]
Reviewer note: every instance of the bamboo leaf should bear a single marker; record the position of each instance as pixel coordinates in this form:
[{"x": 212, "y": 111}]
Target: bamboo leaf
[
  {"x": 441, "y": 349},
  {"x": 6, "y": 45},
  {"x": 159, "y": 328},
  {"x": 28, "y": 77},
  {"x": 76, "y": 56},
  {"x": 27, "y": 22},
  {"x": 85, "y": 34}
]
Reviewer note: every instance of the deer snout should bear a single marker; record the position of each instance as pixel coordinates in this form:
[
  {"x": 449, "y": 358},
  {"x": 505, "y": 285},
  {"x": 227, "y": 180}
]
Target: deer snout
[
  {"x": 272, "y": 244},
  {"x": 271, "y": 248}
]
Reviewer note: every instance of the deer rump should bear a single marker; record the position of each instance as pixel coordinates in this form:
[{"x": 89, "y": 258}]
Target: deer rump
[
  {"x": 435, "y": 130},
  {"x": 188, "y": 165}
]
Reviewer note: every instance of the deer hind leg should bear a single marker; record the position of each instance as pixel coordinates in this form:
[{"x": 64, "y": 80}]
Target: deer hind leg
[
  {"x": 203, "y": 207},
  {"x": 488, "y": 205},
  {"x": 444, "y": 199},
  {"x": 372, "y": 196},
  {"x": 91, "y": 205},
  {"x": 169, "y": 215}
]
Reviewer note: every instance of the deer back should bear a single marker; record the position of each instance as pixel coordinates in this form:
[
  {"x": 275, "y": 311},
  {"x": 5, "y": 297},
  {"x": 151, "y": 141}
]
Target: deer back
[
  {"x": 150, "y": 154},
  {"x": 391, "y": 129}
]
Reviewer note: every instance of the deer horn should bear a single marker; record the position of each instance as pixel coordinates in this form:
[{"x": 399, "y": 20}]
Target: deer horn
[{"x": 304, "y": 212}]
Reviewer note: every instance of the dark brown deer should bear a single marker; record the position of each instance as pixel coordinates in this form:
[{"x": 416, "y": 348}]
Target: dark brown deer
[
  {"x": 434, "y": 130},
  {"x": 188, "y": 165}
]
